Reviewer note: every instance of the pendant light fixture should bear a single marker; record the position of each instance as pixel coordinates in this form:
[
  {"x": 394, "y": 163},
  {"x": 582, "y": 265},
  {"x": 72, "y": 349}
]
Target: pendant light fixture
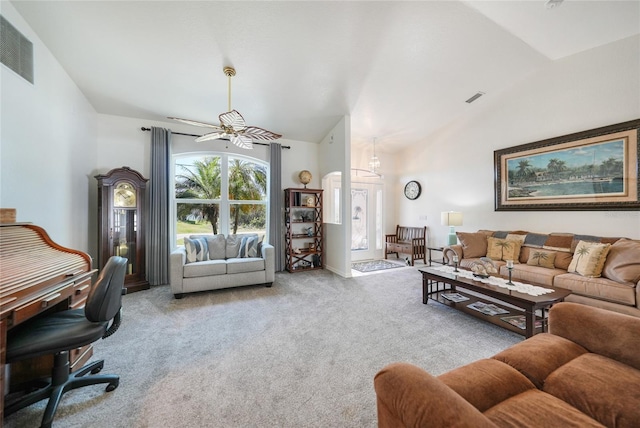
[{"x": 374, "y": 163}]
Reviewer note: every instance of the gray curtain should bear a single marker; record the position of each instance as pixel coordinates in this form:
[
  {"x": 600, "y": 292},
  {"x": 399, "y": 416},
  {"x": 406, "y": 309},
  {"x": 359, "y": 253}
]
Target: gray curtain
[
  {"x": 158, "y": 237},
  {"x": 276, "y": 204}
]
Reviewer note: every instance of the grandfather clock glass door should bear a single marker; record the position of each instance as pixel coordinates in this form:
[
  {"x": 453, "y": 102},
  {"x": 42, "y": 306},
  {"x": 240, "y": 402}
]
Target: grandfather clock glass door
[
  {"x": 121, "y": 200},
  {"x": 124, "y": 236}
]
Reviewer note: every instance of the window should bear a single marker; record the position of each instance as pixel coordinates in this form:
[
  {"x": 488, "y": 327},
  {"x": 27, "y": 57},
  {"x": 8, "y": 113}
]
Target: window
[{"x": 219, "y": 193}]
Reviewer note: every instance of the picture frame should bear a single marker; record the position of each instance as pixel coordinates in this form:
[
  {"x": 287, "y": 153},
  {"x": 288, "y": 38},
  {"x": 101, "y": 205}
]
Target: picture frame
[{"x": 594, "y": 170}]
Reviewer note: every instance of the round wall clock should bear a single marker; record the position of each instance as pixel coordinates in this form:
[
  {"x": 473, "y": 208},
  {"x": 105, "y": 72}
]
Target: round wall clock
[{"x": 412, "y": 190}]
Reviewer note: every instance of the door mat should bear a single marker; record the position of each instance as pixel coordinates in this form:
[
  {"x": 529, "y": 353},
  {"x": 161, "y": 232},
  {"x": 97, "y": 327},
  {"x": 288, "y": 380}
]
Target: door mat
[{"x": 374, "y": 265}]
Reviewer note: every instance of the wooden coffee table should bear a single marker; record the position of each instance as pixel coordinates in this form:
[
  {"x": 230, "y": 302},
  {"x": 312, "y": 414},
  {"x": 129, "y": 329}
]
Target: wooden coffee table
[{"x": 436, "y": 284}]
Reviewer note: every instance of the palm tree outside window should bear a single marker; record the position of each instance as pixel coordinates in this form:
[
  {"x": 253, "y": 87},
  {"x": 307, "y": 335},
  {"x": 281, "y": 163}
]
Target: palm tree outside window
[{"x": 219, "y": 193}]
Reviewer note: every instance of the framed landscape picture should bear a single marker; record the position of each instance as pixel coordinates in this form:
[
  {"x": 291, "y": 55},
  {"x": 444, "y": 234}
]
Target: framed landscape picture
[{"x": 590, "y": 170}]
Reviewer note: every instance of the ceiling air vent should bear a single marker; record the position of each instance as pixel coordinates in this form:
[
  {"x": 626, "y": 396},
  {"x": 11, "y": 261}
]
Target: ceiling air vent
[
  {"x": 475, "y": 97},
  {"x": 16, "y": 51}
]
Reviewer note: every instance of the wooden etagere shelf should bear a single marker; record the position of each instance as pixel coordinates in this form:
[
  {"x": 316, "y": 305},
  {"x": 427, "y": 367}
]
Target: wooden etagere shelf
[{"x": 304, "y": 242}]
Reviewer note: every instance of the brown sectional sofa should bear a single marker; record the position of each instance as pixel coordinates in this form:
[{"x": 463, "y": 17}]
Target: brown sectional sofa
[
  {"x": 584, "y": 373},
  {"x": 616, "y": 288}
]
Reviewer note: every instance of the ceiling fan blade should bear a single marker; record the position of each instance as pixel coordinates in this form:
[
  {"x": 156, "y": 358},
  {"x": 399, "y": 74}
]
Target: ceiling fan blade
[
  {"x": 210, "y": 136},
  {"x": 233, "y": 119},
  {"x": 242, "y": 141},
  {"x": 256, "y": 133},
  {"x": 195, "y": 122}
]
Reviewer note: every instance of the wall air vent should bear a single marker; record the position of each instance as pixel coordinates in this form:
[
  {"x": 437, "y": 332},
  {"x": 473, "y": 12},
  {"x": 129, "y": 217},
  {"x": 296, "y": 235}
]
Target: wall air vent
[
  {"x": 475, "y": 97},
  {"x": 16, "y": 51}
]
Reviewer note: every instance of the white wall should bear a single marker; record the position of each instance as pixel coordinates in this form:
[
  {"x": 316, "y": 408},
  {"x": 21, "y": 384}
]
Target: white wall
[
  {"x": 455, "y": 167},
  {"x": 48, "y": 146},
  {"x": 335, "y": 155}
]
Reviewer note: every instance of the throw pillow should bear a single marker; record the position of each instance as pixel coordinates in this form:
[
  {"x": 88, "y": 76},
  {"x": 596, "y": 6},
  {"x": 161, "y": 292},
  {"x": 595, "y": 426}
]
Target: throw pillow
[
  {"x": 249, "y": 246},
  {"x": 622, "y": 262},
  {"x": 473, "y": 244},
  {"x": 197, "y": 250},
  {"x": 542, "y": 258},
  {"x": 503, "y": 249},
  {"x": 589, "y": 258}
]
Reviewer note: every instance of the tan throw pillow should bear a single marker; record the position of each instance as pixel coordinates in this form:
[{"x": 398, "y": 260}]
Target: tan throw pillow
[
  {"x": 473, "y": 244},
  {"x": 542, "y": 258},
  {"x": 589, "y": 258},
  {"x": 503, "y": 249},
  {"x": 623, "y": 262}
]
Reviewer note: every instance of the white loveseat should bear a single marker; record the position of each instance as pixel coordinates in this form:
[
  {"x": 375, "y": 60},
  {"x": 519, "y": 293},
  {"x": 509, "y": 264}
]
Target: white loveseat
[{"x": 211, "y": 262}]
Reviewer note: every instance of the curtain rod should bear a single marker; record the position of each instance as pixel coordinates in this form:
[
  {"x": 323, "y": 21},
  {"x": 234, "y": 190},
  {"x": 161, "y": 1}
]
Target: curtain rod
[{"x": 194, "y": 135}]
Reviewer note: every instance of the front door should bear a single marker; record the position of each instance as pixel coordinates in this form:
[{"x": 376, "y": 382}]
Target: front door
[{"x": 366, "y": 221}]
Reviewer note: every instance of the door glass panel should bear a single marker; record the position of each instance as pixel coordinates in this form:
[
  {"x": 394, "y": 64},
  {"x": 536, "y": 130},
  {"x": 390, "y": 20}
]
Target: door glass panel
[{"x": 359, "y": 229}]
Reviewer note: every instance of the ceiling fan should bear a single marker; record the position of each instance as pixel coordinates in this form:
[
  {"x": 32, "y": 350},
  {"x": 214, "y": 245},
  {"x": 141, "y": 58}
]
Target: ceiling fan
[{"x": 232, "y": 125}]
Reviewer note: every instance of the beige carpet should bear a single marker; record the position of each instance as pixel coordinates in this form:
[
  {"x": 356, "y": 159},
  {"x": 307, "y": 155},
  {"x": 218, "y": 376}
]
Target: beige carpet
[{"x": 300, "y": 354}]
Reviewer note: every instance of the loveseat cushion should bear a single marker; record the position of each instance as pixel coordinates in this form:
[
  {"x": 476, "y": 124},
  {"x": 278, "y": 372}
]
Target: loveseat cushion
[
  {"x": 249, "y": 264},
  {"x": 599, "y": 288},
  {"x": 540, "y": 355},
  {"x": 538, "y": 409},
  {"x": 602, "y": 388},
  {"x": 234, "y": 242},
  {"x": 217, "y": 247},
  {"x": 197, "y": 249},
  {"x": 206, "y": 268}
]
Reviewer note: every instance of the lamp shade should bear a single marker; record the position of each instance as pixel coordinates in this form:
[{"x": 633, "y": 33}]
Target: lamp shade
[{"x": 451, "y": 218}]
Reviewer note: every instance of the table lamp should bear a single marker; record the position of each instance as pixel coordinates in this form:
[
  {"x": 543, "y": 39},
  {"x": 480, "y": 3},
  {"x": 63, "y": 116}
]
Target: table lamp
[{"x": 451, "y": 219}]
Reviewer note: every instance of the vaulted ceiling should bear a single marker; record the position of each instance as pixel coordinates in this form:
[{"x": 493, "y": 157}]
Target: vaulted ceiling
[{"x": 401, "y": 70}]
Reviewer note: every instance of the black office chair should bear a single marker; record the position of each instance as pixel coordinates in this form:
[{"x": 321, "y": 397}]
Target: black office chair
[{"x": 61, "y": 332}]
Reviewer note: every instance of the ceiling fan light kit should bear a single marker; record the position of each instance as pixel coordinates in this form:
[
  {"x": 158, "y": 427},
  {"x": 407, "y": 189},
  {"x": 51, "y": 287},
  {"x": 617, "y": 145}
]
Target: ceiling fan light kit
[{"x": 232, "y": 125}]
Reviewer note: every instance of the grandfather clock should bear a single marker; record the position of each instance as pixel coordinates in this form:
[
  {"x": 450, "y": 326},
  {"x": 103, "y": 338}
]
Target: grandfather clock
[{"x": 121, "y": 224}]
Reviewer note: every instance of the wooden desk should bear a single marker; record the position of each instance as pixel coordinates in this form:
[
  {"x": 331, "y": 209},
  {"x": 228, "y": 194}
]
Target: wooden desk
[{"x": 37, "y": 276}]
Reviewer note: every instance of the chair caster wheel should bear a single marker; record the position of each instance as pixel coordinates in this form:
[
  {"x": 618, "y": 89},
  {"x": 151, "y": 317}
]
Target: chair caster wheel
[
  {"x": 96, "y": 370},
  {"x": 111, "y": 386}
]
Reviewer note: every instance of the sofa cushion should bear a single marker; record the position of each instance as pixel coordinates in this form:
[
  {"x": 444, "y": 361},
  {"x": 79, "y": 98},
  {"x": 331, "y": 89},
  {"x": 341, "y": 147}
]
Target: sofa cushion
[
  {"x": 197, "y": 249},
  {"x": 217, "y": 247},
  {"x": 538, "y": 409},
  {"x": 535, "y": 240},
  {"x": 604, "y": 389},
  {"x": 598, "y": 288},
  {"x": 473, "y": 244},
  {"x": 563, "y": 260},
  {"x": 503, "y": 249},
  {"x": 244, "y": 265},
  {"x": 589, "y": 258},
  {"x": 206, "y": 268},
  {"x": 623, "y": 262},
  {"x": 559, "y": 242},
  {"x": 532, "y": 274},
  {"x": 542, "y": 258},
  {"x": 540, "y": 355},
  {"x": 485, "y": 383}
]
